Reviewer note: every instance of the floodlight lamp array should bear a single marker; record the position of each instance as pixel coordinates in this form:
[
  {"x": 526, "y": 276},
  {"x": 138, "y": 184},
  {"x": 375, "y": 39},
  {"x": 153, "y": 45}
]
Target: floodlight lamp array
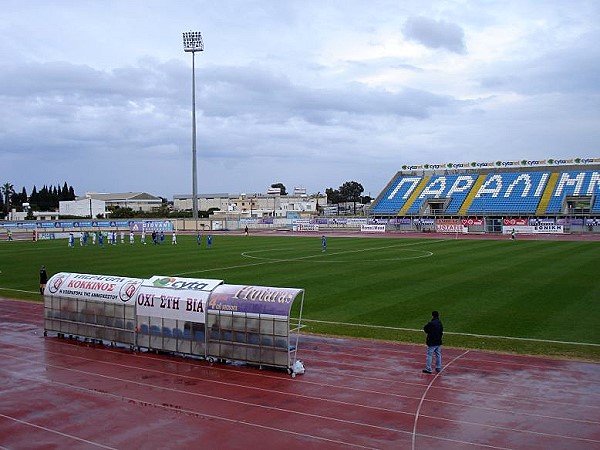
[{"x": 192, "y": 41}]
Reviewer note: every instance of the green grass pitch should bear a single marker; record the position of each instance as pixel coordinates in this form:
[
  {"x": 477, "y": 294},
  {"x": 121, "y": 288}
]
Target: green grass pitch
[{"x": 539, "y": 297}]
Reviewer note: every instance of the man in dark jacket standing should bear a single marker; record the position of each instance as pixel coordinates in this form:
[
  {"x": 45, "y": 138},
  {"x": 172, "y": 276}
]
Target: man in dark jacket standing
[
  {"x": 434, "y": 330},
  {"x": 43, "y": 279}
]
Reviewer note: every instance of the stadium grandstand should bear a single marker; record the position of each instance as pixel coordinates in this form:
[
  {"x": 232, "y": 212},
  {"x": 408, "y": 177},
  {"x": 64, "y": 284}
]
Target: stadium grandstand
[{"x": 548, "y": 191}]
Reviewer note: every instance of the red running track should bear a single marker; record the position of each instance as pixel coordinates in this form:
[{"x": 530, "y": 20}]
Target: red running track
[{"x": 60, "y": 393}]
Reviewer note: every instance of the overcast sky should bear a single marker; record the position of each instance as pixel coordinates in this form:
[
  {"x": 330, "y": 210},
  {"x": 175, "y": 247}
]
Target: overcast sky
[{"x": 308, "y": 93}]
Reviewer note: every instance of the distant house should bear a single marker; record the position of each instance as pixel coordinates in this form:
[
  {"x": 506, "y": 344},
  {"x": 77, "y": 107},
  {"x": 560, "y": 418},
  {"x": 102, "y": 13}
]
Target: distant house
[{"x": 137, "y": 201}]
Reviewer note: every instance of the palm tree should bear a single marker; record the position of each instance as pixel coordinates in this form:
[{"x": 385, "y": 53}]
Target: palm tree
[{"x": 7, "y": 190}]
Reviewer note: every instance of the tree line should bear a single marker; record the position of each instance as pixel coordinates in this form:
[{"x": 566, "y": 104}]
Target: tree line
[{"x": 46, "y": 199}]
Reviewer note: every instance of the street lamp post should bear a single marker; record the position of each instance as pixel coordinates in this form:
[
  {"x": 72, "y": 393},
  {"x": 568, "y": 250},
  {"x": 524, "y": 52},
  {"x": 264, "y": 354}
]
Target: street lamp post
[{"x": 192, "y": 42}]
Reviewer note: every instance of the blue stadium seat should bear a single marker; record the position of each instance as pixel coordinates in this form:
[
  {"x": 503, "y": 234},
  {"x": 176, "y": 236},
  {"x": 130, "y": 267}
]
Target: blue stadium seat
[
  {"x": 177, "y": 333},
  {"x": 253, "y": 338},
  {"x": 281, "y": 342},
  {"x": 393, "y": 199},
  {"x": 266, "y": 341},
  {"x": 574, "y": 183},
  {"x": 226, "y": 335},
  {"x": 199, "y": 336},
  {"x": 512, "y": 193},
  {"x": 456, "y": 187}
]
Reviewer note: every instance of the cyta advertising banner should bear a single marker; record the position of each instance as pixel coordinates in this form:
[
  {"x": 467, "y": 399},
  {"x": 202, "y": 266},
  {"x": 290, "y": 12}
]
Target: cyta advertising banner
[{"x": 175, "y": 298}]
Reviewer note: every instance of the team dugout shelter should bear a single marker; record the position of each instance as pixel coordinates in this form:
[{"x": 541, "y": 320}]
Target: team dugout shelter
[{"x": 204, "y": 318}]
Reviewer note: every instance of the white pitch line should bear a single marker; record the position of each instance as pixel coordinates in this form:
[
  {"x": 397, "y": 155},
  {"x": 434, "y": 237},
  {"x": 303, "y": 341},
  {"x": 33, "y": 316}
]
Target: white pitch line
[
  {"x": 18, "y": 290},
  {"x": 488, "y": 336},
  {"x": 345, "y": 252},
  {"x": 381, "y": 327},
  {"x": 274, "y": 261}
]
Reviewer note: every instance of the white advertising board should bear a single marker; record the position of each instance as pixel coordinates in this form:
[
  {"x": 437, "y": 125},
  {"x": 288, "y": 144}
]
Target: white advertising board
[
  {"x": 175, "y": 297},
  {"x": 306, "y": 227},
  {"x": 105, "y": 288},
  {"x": 548, "y": 228},
  {"x": 534, "y": 229},
  {"x": 372, "y": 228}
]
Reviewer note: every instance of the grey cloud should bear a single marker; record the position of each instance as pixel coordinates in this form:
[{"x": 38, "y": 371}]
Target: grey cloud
[
  {"x": 435, "y": 34},
  {"x": 238, "y": 91},
  {"x": 573, "y": 70},
  {"x": 74, "y": 110},
  {"x": 85, "y": 83}
]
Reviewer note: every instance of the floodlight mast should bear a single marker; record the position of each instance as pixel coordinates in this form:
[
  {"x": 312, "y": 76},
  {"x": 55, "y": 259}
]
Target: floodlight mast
[{"x": 192, "y": 42}]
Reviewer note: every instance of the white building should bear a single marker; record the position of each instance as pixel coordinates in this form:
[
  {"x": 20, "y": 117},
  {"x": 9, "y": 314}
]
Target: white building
[
  {"x": 86, "y": 207},
  {"x": 137, "y": 201},
  {"x": 219, "y": 201}
]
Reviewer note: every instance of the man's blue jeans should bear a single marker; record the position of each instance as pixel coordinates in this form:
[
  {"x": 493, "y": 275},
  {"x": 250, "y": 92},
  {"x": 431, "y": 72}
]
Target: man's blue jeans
[{"x": 431, "y": 349}]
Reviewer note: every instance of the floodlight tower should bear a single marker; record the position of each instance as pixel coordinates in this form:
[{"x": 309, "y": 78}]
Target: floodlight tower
[{"x": 192, "y": 42}]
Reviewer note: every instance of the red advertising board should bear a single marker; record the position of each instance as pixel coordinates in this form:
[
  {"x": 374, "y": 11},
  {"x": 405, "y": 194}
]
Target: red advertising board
[
  {"x": 472, "y": 222},
  {"x": 514, "y": 222}
]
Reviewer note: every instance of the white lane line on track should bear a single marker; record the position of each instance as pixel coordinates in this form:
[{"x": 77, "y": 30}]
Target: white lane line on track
[
  {"x": 250, "y": 387},
  {"x": 477, "y": 424},
  {"x": 38, "y": 381},
  {"x": 327, "y": 385},
  {"x": 316, "y": 416},
  {"x": 49, "y": 430},
  {"x": 414, "y": 433},
  {"x": 186, "y": 411}
]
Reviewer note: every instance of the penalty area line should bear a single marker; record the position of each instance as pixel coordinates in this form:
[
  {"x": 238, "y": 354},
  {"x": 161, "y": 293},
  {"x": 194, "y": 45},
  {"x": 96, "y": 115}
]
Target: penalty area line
[{"x": 487, "y": 336}]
